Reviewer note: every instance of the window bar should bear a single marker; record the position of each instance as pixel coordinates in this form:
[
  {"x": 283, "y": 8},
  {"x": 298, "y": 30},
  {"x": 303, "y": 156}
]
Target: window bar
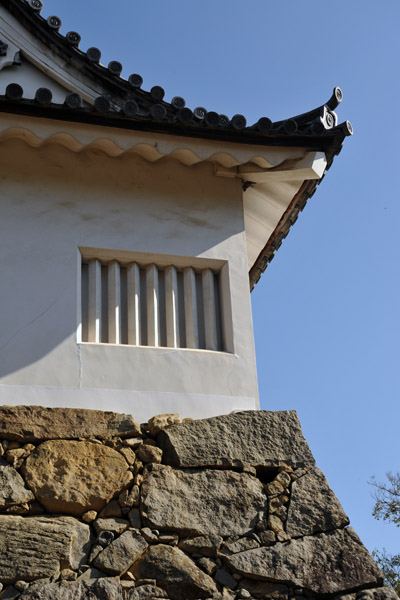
[
  {"x": 171, "y": 307},
  {"x": 94, "y": 296},
  {"x": 210, "y": 315},
  {"x": 153, "y": 318},
  {"x": 191, "y": 325},
  {"x": 114, "y": 303},
  {"x": 133, "y": 291}
]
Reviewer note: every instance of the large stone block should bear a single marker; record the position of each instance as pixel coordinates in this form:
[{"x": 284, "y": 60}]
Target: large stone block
[
  {"x": 102, "y": 589},
  {"x": 257, "y": 438},
  {"x": 32, "y": 547},
  {"x": 175, "y": 572},
  {"x": 327, "y": 563},
  {"x": 75, "y": 477},
  {"x": 264, "y": 589},
  {"x": 148, "y": 591},
  {"x": 199, "y": 502},
  {"x": 12, "y": 487},
  {"x": 313, "y": 506},
  {"x": 382, "y": 593},
  {"x": 36, "y": 423}
]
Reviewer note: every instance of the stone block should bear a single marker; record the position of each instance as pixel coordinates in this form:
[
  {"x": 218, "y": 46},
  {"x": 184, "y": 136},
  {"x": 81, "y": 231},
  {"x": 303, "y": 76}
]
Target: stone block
[
  {"x": 159, "y": 422},
  {"x": 12, "y": 487},
  {"x": 32, "y": 547},
  {"x": 75, "y": 477},
  {"x": 36, "y": 423},
  {"x": 121, "y": 553},
  {"x": 102, "y": 589},
  {"x": 327, "y": 563},
  {"x": 313, "y": 506},
  {"x": 257, "y": 438},
  {"x": 175, "y": 573},
  {"x": 199, "y": 502}
]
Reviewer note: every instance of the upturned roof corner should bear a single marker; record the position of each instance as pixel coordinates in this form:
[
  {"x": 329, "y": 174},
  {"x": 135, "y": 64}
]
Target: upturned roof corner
[{"x": 125, "y": 104}]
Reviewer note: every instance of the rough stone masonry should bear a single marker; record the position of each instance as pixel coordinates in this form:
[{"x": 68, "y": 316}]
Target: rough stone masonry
[{"x": 95, "y": 506}]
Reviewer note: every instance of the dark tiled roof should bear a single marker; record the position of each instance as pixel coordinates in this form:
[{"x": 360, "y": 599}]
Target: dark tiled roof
[{"x": 126, "y": 105}]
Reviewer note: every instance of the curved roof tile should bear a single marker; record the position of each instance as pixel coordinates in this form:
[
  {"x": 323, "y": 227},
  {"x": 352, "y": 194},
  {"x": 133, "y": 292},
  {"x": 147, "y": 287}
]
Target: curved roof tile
[{"x": 126, "y": 100}]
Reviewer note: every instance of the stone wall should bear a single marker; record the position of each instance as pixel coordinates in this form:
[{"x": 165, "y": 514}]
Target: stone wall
[{"x": 94, "y": 505}]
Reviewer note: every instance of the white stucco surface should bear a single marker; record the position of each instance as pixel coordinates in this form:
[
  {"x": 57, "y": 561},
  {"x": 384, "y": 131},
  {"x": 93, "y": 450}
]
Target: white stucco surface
[
  {"x": 54, "y": 201},
  {"x": 30, "y": 78},
  {"x": 142, "y": 405},
  {"x": 277, "y": 173}
]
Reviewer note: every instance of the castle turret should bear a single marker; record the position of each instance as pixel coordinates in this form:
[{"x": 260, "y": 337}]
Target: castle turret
[{"x": 133, "y": 229}]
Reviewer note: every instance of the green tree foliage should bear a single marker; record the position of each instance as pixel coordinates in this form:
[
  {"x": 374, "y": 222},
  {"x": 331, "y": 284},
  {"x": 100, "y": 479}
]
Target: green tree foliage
[
  {"x": 387, "y": 508},
  {"x": 390, "y": 566},
  {"x": 387, "y": 498}
]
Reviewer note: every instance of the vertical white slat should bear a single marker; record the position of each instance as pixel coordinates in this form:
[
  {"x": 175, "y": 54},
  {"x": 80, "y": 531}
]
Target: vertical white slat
[
  {"x": 189, "y": 287},
  {"x": 94, "y": 308},
  {"x": 153, "y": 318},
  {"x": 210, "y": 315},
  {"x": 133, "y": 291},
  {"x": 171, "y": 307},
  {"x": 114, "y": 303},
  {"x": 226, "y": 310},
  {"x": 82, "y": 298}
]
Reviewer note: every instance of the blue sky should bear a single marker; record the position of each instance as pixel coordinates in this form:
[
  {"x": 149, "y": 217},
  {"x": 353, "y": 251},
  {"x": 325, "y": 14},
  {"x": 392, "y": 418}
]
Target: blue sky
[{"x": 326, "y": 313}]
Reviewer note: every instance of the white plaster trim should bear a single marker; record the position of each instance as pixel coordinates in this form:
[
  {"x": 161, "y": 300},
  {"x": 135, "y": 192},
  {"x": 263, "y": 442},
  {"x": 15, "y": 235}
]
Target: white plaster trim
[
  {"x": 142, "y": 405},
  {"x": 78, "y": 137},
  {"x": 312, "y": 166},
  {"x": 148, "y": 258}
]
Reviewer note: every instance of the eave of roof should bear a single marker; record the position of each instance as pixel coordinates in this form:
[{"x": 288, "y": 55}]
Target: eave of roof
[
  {"x": 328, "y": 140},
  {"x": 125, "y": 105}
]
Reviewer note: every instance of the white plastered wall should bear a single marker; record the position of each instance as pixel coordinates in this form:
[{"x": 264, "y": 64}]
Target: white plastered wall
[
  {"x": 73, "y": 185},
  {"x": 52, "y": 202}
]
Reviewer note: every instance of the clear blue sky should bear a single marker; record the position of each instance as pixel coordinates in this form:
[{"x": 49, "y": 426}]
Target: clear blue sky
[{"x": 326, "y": 313}]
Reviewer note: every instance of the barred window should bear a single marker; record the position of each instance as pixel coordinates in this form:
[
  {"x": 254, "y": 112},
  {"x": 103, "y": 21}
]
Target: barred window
[{"x": 144, "y": 301}]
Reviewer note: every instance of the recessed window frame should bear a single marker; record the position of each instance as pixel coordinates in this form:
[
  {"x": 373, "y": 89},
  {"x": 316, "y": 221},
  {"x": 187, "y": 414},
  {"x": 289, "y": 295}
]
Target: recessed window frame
[{"x": 183, "y": 302}]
